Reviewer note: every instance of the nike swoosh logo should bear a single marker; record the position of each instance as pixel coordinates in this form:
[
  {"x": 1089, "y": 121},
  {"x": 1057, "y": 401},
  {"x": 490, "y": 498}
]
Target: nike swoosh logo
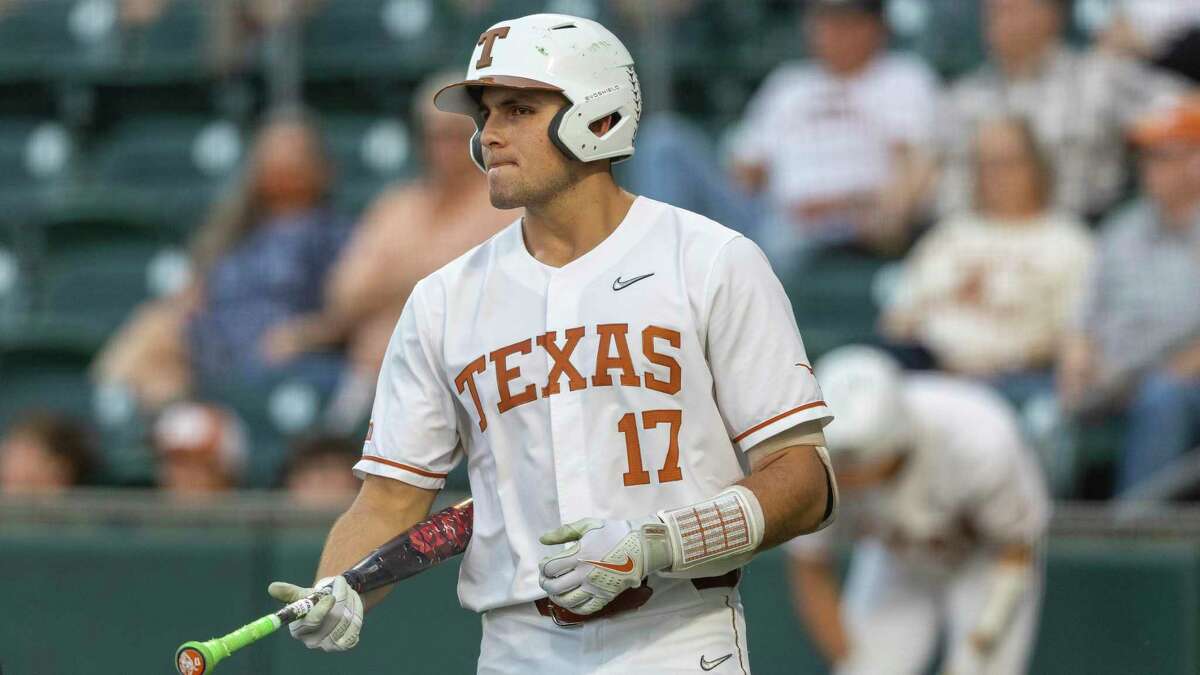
[
  {"x": 624, "y": 568},
  {"x": 619, "y": 284},
  {"x": 707, "y": 665}
]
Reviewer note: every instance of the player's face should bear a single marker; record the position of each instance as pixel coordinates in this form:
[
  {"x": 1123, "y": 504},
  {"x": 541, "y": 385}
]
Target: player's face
[{"x": 523, "y": 167}]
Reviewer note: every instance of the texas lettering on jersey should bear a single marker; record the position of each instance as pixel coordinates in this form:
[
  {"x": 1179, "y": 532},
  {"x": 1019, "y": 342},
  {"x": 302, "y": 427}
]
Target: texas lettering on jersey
[{"x": 612, "y": 355}]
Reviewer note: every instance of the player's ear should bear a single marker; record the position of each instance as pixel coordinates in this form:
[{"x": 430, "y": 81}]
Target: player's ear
[{"x": 604, "y": 124}]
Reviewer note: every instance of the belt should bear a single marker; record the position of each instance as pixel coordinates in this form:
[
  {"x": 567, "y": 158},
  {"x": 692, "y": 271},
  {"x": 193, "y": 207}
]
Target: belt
[{"x": 627, "y": 600}]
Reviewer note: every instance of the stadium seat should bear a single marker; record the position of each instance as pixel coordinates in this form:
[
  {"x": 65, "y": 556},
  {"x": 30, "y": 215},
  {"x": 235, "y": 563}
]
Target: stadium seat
[
  {"x": 396, "y": 39},
  {"x": 833, "y": 300},
  {"x": 44, "y": 365},
  {"x": 170, "y": 168},
  {"x": 369, "y": 152},
  {"x": 36, "y": 162},
  {"x": 100, "y": 284},
  {"x": 52, "y": 38}
]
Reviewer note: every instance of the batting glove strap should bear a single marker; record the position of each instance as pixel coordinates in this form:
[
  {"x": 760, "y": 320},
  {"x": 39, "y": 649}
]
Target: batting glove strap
[
  {"x": 713, "y": 536},
  {"x": 334, "y": 623}
]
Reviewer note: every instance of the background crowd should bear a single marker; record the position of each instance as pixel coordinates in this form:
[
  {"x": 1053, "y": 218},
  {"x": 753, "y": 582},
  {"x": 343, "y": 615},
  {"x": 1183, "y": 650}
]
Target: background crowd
[{"x": 1023, "y": 211}]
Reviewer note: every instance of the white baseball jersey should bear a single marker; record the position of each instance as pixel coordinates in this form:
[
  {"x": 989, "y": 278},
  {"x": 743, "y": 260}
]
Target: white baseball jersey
[
  {"x": 632, "y": 379},
  {"x": 970, "y": 481},
  {"x": 925, "y": 557}
]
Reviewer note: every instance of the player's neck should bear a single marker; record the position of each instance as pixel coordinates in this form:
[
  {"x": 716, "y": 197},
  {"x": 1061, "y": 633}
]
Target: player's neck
[{"x": 576, "y": 220}]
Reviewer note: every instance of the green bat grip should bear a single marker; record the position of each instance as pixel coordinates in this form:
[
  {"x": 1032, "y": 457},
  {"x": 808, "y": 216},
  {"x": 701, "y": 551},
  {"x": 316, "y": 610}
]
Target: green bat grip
[{"x": 198, "y": 658}]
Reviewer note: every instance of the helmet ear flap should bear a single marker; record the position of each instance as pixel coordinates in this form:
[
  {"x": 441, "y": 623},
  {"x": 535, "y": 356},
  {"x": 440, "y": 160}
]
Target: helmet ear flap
[
  {"x": 477, "y": 150},
  {"x": 556, "y": 126}
]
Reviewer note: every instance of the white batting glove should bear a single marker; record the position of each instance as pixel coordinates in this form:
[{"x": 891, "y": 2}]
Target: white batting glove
[
  {"x": 332, "y": 624},
  {"x": 604, "y": 558}
]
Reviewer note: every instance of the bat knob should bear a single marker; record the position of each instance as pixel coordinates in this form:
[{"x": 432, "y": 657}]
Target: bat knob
[{"x": 194, "y": 658}]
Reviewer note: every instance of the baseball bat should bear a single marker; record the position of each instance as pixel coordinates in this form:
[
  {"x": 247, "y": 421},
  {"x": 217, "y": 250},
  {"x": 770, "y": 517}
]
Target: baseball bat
[{"x": 441, "y": 536}]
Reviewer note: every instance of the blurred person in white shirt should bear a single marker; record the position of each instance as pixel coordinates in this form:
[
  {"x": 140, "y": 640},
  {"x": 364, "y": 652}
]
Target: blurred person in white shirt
[
  {"x": 837, "y": 143},
  {"x": 989, "y": 292},
  {"x": 946, "y": 509}
]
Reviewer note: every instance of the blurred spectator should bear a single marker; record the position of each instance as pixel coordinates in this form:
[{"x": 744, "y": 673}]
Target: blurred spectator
[
  {"x": 319, "y": 472},
  {"x": 1077, "y": 102},
  {"x": 239, "y": 28},
  {"x": 410, "y": 231},
  {"x": 837, "y": 143},
  {"x": 200, "y": 448},
  {"x": 988, "y": 292},
  {"x": 1138, "y": 344},
  {"x": 45, "y": 453},
  {"x": 946, "y": 508},
  {"x": 260, "y": 261},
  {"x": 1164, "y": 32}
]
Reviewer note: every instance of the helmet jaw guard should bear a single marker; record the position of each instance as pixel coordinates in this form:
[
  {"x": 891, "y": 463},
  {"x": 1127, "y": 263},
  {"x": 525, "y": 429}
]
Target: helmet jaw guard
[{"x": 554, "y": 52}]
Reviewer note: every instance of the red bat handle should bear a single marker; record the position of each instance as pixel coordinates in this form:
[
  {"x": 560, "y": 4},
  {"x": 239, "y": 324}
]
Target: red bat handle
[{"x": 443, "y": 535}]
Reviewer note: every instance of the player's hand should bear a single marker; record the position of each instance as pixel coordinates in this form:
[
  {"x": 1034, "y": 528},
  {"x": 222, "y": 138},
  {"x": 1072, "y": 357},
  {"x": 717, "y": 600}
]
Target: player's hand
[
  {"x": 333, "y": 623},
  {"x": 604, "y": 558}
]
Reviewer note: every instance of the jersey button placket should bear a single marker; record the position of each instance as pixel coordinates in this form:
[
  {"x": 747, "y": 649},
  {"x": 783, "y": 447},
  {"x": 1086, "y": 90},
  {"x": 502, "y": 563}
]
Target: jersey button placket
[{"x": 565, "y": 409}]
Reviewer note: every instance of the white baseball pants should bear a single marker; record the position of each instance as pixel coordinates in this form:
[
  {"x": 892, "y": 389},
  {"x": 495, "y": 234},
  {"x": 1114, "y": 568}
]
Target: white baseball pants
[{"x": 704, "y": 636}]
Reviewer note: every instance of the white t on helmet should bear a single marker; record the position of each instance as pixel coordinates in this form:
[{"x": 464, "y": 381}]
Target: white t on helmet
[
  {"x": 865, "y": 389},
  {"x": 556, "y": 52}
]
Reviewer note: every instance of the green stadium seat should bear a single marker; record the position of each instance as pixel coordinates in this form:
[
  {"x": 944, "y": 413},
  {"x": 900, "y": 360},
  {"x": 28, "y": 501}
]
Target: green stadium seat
[
  {"x": 395, "y": 39},
  {"x": 170, "y": 168},
  {"x": 44, "y": 365},
  {"x": 49, "y": 38},
  {"x": 833, "y": 300},
  {"x": 101, "y": 284},
  {"x": 36, "y": 164},
  {"x": 369, "y": 152}
]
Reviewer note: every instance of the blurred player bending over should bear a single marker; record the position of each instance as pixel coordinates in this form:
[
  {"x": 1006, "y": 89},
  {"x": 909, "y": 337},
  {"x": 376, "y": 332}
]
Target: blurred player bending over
[
  {"x": 625, "y": 379},
  {"x": 952, "y": 509}
]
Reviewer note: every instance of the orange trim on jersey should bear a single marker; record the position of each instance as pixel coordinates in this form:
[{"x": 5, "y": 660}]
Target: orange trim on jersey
[
  {"x": 398, "y": 465},
  {"x": 776, "y": 418}
]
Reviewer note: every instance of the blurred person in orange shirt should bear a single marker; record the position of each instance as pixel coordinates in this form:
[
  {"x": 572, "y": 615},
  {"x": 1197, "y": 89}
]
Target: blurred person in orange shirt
[
  {"x": 1136, "y": 344},
  {"x": 45, "y": 453},
  {"x": 201, "y": 450},
  {"x": 319, "y": 472},
  {"x": 988, "y": 292},
  {"x": 407, "y": 233}
]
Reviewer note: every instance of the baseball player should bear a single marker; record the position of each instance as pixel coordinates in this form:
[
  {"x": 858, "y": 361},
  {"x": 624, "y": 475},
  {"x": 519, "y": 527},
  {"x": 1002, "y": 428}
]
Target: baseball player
[
  {"x": 625, "y": 380},
  {"x": 952, "y": 507}
]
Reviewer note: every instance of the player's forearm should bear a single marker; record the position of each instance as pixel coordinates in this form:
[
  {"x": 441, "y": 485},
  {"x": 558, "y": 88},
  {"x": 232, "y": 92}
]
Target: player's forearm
[
  {"x": 380, "y": 512},
  {"x": 793, "y": 492},
  {"x": 818, "y": 603}
]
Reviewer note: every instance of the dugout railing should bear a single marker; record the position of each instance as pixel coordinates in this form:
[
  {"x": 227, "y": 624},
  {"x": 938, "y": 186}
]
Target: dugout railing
[{"x": 121, "y": 578}]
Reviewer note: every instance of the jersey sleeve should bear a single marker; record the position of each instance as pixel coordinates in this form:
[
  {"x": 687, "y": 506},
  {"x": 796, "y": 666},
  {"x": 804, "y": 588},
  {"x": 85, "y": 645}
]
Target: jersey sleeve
[
  {"x": 1009, "y": 503},
  {"x": 413, "y": 435},
  {"x": 762, "y": 378}
]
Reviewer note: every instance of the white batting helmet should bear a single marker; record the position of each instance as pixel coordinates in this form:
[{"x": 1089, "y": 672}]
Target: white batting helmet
[
  {"x": 556, "y": 52},
  {"x": 864, "y": 388}
]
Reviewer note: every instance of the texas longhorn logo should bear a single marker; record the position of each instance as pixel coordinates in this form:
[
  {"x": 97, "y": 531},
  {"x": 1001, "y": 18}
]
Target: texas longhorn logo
[{"x": 190, "y": 662}]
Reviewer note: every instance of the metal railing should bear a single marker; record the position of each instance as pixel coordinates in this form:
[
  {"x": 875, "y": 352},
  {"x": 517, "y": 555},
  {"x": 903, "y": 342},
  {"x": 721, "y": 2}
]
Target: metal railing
[{"x": 256, "y": 509}]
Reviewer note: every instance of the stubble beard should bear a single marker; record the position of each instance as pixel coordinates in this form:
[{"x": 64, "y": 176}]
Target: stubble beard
[{"x": 523, "y": 192}]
